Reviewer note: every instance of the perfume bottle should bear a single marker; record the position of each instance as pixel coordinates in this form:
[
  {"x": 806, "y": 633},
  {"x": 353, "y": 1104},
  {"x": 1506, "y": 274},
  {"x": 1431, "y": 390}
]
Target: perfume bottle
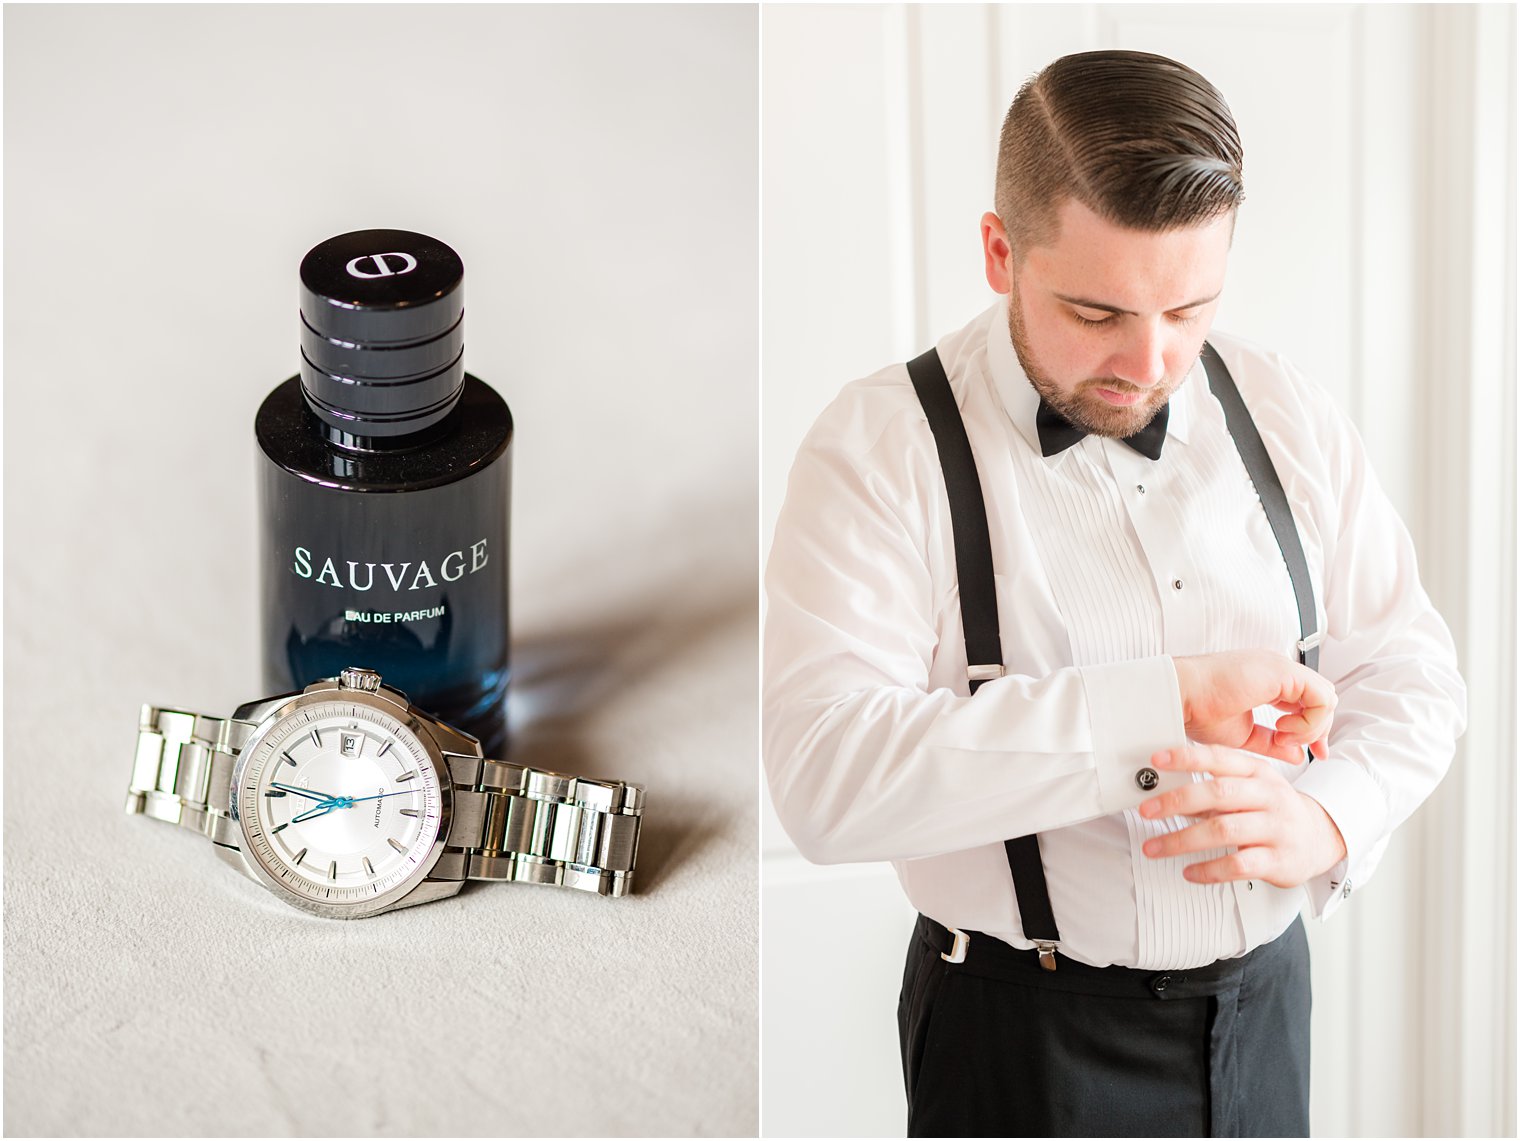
[{"x": 385, "y": 488}]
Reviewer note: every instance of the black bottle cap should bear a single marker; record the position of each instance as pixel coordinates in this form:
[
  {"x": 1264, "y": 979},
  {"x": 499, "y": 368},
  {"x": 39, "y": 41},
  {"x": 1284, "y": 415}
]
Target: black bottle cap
[{"x": 382, "y": 333}]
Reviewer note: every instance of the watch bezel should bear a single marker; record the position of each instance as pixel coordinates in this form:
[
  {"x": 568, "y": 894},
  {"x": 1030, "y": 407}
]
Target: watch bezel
[{"x": 403, "y": 713}]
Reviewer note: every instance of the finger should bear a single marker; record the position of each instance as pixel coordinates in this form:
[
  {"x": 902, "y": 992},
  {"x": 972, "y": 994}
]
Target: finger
[
  {"x": 1307, "y": 726},
  {"x": 1265, "y": 742},
  {"x": 1320, "y": 748},
  {"x": 1292, "y": 750},
  {"x": 1246, "y": 864},
  {"x": 1227, "y": 830},
  {"x": 1306, "y": 688},
  {"x": 1204, "y": 759},
  {"x": 1311, "y": 711},
  {"x": 1206, "y": 797}
]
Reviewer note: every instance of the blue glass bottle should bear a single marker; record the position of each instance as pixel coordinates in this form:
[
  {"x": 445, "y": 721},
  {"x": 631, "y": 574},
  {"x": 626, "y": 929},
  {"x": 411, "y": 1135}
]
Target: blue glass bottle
[{"x": 385, "y": 488}]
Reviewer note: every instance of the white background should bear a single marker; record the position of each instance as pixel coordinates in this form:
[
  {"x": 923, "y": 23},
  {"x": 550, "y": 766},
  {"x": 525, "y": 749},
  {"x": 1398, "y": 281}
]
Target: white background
[
  {"x": 1375, "y": 248},
  {"x": 165, "y": 171}
]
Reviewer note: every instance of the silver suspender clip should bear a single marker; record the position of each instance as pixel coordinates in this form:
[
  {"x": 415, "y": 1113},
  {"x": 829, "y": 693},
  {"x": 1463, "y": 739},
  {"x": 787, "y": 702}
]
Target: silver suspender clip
[
  {"x": 958, "y": 948},
  {"x": 1047, "y": 951},
  {"x": 1313, "y": 640},
  {"x": 983, "y": 673}
]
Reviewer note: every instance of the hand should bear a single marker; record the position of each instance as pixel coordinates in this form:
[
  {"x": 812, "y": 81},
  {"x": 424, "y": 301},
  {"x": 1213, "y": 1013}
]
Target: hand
[
  {"x": 1219, "y": 692},
  {"x": 1280, "y": 835}
]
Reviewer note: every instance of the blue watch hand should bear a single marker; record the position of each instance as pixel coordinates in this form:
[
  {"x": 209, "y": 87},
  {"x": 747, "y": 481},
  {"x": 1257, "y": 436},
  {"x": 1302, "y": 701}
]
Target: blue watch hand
[
  {"x": 333, "y": 802},
  {"x": 323, "y": 809},
  {"x": 383, "y": 795},
  {"x": 301, "y": 791}
]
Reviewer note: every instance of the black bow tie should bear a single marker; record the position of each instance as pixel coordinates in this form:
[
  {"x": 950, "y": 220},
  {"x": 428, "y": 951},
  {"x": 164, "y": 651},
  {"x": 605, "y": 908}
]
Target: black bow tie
[{"x": 1057, "y": 433}]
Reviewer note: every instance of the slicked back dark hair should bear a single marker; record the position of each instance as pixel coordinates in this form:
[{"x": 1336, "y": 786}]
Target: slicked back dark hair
[{"x": 1139, "y": 139}]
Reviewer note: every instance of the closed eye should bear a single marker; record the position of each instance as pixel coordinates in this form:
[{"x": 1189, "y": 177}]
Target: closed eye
[
  {"x": 1092, "y": 323},
  {"x": 1181, "y": 316},
  {"x": 1182, "y": 320}
]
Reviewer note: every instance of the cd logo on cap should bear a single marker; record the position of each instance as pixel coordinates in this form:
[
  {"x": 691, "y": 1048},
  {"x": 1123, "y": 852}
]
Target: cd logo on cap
[{"x": 382, "y": 268}]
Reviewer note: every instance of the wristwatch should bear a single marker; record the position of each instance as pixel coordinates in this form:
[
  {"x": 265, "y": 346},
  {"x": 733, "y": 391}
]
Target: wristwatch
[{"x": 346, "y": 800}]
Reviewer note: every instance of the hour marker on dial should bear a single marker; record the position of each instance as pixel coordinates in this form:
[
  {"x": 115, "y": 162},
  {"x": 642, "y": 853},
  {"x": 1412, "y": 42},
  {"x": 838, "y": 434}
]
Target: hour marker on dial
[
  {"x": 275, "y": 792},
  {"x": 397, "y": 845},
  {"x": 332, "y": 870},
  {"x": 406, "y": 776},
  {"x": 411, "y": 812},
  {"x": 317, "y": 737},
  {"x": 369, "y": 868},
  {"x": 301, "y": 855},
  {"x": 281, "y": 828},
  {"x": 289, "y": 760},
  {"x": 385, "y": 748}
]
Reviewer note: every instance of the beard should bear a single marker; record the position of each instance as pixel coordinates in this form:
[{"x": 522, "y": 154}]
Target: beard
[{"x": 1082, "y": 405}]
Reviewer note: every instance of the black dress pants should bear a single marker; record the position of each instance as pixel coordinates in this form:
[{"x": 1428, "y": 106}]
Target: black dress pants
[{"x": 998, "y": 1047}]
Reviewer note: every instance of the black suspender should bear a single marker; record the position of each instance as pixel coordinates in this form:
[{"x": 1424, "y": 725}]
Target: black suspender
[
  {"x": 973, "y": 563},
  {"x": 1274, "y": 500},
  {"x": 968, "y": 518},
  {"x": 978, "y": 589}
]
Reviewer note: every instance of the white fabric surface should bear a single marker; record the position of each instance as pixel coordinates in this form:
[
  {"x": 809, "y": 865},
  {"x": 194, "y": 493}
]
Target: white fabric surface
[
  {"x": 166, "y": 169},
  {"x": 1107, "y": 563}
]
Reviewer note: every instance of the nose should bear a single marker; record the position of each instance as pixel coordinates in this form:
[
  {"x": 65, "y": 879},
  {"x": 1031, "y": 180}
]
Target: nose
[{"x": 1142, "y": 358}]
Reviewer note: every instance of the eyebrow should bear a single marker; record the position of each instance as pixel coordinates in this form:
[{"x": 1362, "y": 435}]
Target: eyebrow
[{"x": 1084, "y": 303}]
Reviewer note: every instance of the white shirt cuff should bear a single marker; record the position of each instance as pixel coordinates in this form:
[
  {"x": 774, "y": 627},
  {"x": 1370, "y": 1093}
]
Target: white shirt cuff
[
  {"x": 1136, "y": 710},
  {"x": 1353, "y": 800}
]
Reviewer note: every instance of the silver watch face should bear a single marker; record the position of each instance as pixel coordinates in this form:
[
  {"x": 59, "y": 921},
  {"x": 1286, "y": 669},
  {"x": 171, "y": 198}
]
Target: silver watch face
[{"x": 340, "y": 805}]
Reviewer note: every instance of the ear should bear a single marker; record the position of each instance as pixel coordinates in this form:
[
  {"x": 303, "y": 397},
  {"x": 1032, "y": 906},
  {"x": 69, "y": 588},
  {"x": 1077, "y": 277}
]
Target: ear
[{"x": 997, "y": 253}]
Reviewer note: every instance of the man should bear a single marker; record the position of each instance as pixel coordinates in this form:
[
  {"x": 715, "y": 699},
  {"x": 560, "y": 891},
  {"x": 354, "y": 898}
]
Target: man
[{"x": 1140, "y": 722}]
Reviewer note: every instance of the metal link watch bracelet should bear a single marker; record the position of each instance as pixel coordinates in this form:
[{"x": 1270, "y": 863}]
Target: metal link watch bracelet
[
  {"x": 513, "y": 823},
  {"x": 183, "y": 770}
]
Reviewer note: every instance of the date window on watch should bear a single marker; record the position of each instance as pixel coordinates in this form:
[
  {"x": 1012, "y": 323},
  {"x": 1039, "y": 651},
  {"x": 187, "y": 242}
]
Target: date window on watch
[{"x": 349, "y": 746}]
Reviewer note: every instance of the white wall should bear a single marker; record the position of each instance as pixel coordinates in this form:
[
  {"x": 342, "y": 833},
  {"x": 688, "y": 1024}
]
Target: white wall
[{"x": 1376, "y": 248}]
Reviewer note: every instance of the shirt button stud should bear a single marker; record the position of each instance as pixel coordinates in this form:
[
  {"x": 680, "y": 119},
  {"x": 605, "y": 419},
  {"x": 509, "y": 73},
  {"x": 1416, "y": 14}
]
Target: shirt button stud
[
  {"x": 1346, "y": 890},
  {"x": 1250, "y": 885},
  {"x": 1176, "y": 584},
  {"x": 1161, "y": 984},
  {"x": 1140, "y": 487}
]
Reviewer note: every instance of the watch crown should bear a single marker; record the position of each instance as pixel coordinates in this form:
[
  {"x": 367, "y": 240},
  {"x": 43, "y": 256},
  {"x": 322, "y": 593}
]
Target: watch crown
[{"x": 368, "y": 681}]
